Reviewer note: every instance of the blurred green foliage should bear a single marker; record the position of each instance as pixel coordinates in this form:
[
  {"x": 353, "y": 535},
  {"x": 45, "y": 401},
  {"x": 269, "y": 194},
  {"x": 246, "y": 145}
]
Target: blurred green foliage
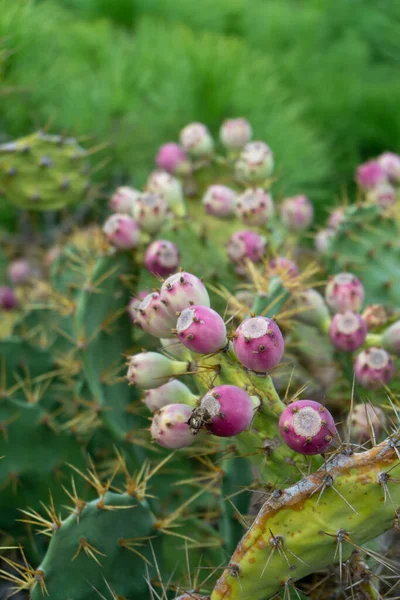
[{"x": 317, "y": 79}]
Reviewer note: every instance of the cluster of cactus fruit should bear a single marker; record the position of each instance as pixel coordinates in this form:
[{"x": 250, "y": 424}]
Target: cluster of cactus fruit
[{"x": 271, "y": 464}]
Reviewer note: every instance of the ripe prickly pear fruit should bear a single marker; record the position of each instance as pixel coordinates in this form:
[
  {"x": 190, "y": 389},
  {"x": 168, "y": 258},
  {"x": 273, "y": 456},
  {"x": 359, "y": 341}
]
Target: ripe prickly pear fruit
[
  {"x": 201, "y": 329},
  {"x": 196, "y": 140},
  {"x": 122, "y": 232},
  {"x": 312, "y": 307},
  {"x": 162, "y": 258},
  {"x": 134, "y": 304},
  {"x": 170, "y": 428},
  {"x": 182, "y": 290},
  {"x": 391, "y": 338},
  {"x": 297, "y": 213},
  {"x": 390, "y": 163},
  {"x": 164, "y": 184},
  {"x": 255, "y": 164},
  {"x": 175, "y": 348},
  {"x": 153, "y": 318},
  {"x": 307, "y": 427},
  {"x": 336, "y": 218},
  {"x": 172, "y": 392},
  {"x": 235, "y": 133},
  {"x": 344, "y": 292},
  {"x": 383, "y": 195},
  {"x": 150, "y": 211},
  {"x": 348, "y": 331},
  {"x": 370, "y": 174},
  {"x": 171, "y": 157},
  {"x": 254, "y": 207},
  {"x": 281, "y": 265},
  {"x": 245, "y": 244},
  {"x": 374, "y": 316},
  {"x": 226, "y": 410},
  {"x": 8, "y": 299},
  {"x": 20, "y": 271},
  {"x": 258, "y": 344},
  {"x": 373, "y": 368},
  {"x": 219, "y": 201},
  {"x": 363, "y": 420},
  {"x": 123, "y": 200},
  {"x": 149, "y": 370},
  {"x": 323, "y": 239}
]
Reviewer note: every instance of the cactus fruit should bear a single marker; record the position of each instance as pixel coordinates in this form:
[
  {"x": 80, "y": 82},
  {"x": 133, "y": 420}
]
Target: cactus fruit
[
  {"x": 390, "y": 163},
  {"x": 123, "y": 200},
  {"x": 153, "y": 318},
  {"x": 383, "y": 195},
  {"x": 162, "y": 258},
  {"x": 134, "y": 304},
  {"x": 374, "y": 316},
  {"x": 8, "y": 299},
  {"x": 174, "y": 348},
  {"x": 196, "y": 140},
  {"x": 336, "y": 217},
  {"x": 373, "y": 368},
  {"x": 366, "y": 422},
  {"x": 44, "y": 172},
  {"x": 348, "y": 331},
  {"x": 254, "y": 207},
  {"x": 307, "y": 427},
  {"x": 169, "y": 427},
  {"x": 312, "y": 309},
  {"x": 225, "y": 411},
  {"x": 235, "y": 133},
  {"x": 255, "y": 163},
  {"x": 297, "y": 213},
  {"x": 182, "y": 290},
  {"x": 122, "y": 231},
  {"x": 172, "y": 392},
  {"x": 323, "y": 239},
  {"x": 164, "y": 184},
  {"x": 201, "y": 329},
  {"x": 344, "y": 292},
  {"x": 219, "y": 201},
  {"x": 391, "y": 338},
  {"x": 149, "y": 370},
  {"x": 20, "y": 271},
  {"x": 172, "y": 158},
  {"x": 245, "y": 245},
  {"x": 259, "y": 344},
  {"x": 370, "y": 174},
  {"x": 281, "y": 265},
  {"x": 150, "y": 211}
]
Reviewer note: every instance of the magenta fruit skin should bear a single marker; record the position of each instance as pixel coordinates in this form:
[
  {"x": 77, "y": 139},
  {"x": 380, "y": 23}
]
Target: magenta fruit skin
[
  {"x": 297, "y": 213},
  {"x": 383, "y": 195},
  {"x": 245, "y": 244},
  {"x": 255, "y": 163},
  {"x": 390, "y": 163},
  {"x": 219, "y": 201},
  {"x": 149, "y": 370},
  {"x": 231, "y": 410},
  {"x": 344, "y": 292},
  {"x": 336, "y": 218},
  {"x": 307, "y": 427},
  {"x": 169, "y": 427},
  {"x": 162, "y": 258},
  {"x": 196, "y": 140},
  {"x": 150, "y": 211},
  {"x": 201, "y": 329},
  {"x": 254, "y": 207},
  {"x": 258, "y": 344},
  {"x": 122, "y": 231},
  {"x": 182, "y": 290},
  {"x": 370, "y": 174},
  {"x": 172, "y": 392},
  {"x": 153, "y": 318},
  {"x": 172, "y": 158},
  {"x": 322, "y": 240},
  {"x": 373, "y": 368},
  {"x": 348, "y": 331},
  {"x": 280, "y": 264},
  {"x": 391, "y": 338},
  {"x": 20, "y": 271},
  {"x": 235, "y": 133},
  {"x": 123, "y": 200},
  {"x": 8, "y": 299},
  {"x": 362, "y": 419}
]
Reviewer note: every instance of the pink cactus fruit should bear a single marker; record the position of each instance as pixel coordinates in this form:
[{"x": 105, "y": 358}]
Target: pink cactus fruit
[
  {"x": 225, "y": 411},
  {"x": 196, "y": 140},
  {"x": 201, "y": 329},
  {"x": 245, "y": 245},
  {"x": 169, "y": 427},
  {"x": 391, "y": 338},
  {"x": 20, "y": 271},
  {"x": 348, "y": 331},
  {"x": 171, "y": 157},
  {"x": 152, "y": 317},
  {"x": 390, "y": 163},
  {"x": 170, "y": 188},
  {"x": 383, "y": 195},
  {"x": 370, "y": 174},
  {"x": 258, "y": 344},
  {"x": 122, "y": 232},
  {"x": 134, "y": 303},
  {"x": 162, "y": 258},
  {"x": 254, "y": 207},
  {"x": 344, "y": 292},
  {"x": 123, "y": 200},
  {"x": 8, "y": 299},
  {"x": 172, "y": 392},
  {"x": 235, "y": 133},
  {"x": 282, "y": 266},
  {"x": 297, "y": 213},
  {"x": 373, "y": 368},
  {"x": 366, "y": 422},
  {"x": 181, "y": 291},
  {"x": 150, "y": 211},
  {"x": 307, "y": 427},
  {"x": 219, "y": 201},
  {"x": 323, "y": 239},
  {"x": 255, "y": 164},
  {"x": 336, "y": 218},
  {"x": 374, "y": 316}
]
